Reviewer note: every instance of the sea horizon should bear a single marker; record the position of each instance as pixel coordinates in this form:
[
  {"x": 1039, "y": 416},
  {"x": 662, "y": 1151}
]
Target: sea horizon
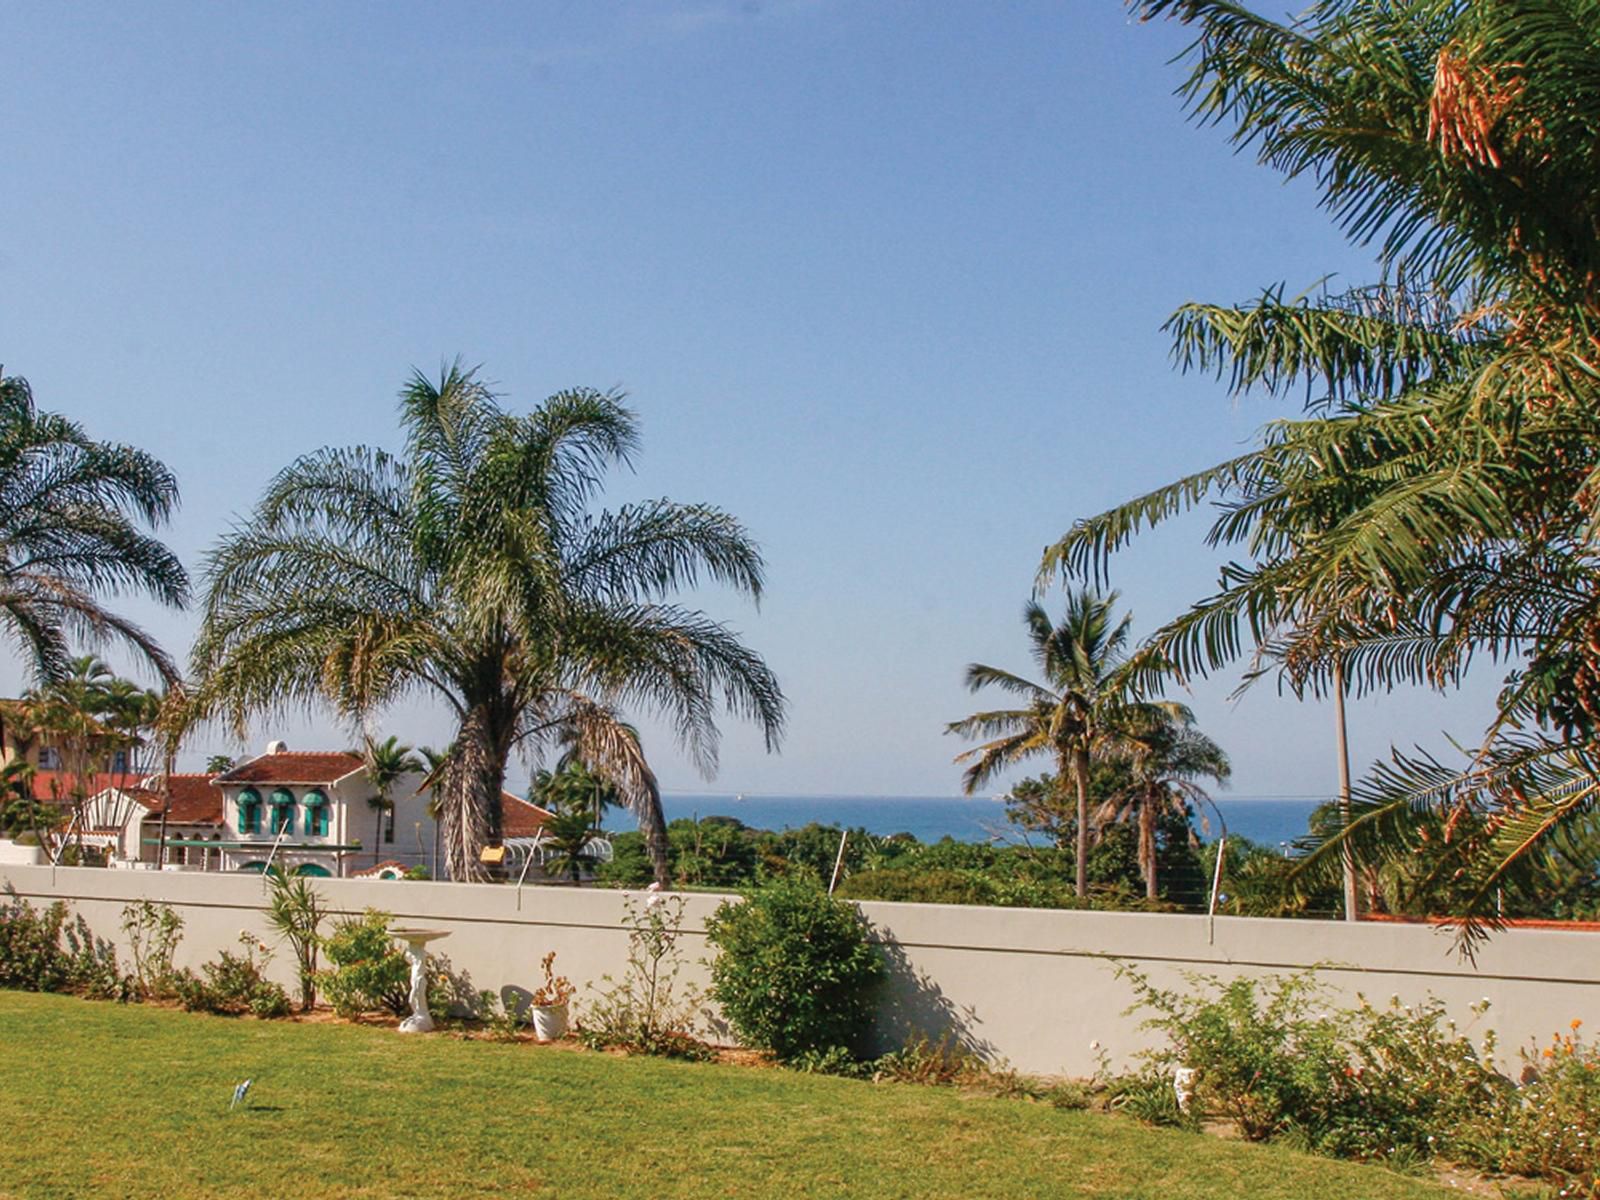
[{"x": 1268, "y": 820}]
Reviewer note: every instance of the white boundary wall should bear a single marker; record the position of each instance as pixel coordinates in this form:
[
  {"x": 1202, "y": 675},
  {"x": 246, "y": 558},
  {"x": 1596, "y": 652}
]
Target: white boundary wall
[{"x": 1029, "y": 986}]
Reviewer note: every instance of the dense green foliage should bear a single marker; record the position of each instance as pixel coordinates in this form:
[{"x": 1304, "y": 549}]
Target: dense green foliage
[
  {"x": 234, "y": 984},
  {"x": 796, "y": 971},
  {"x": 367, "y": 970},
  {"x": 722, "y": 852},
  {"x": 43, "y": 950},
  {"x": 1376, "y": 1082}
]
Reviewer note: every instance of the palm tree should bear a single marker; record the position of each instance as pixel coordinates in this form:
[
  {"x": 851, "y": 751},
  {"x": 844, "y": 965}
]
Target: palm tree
[
  {"x": 569, "y": 833},
  {"x": 472, "y": 569},
  {"x": 386, "y": 763},
  {"x": 1436, "y": 501},
  {"x": 71, "y": 511},
  {"x": 1080, "y": 712},
  {"x": 1167, "y": 758}
]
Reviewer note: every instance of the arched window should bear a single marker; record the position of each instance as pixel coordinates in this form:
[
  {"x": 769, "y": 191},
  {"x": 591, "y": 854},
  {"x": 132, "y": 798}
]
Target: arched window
[
  {"x": 314, "y": 870},
  {"x": 249, "y": 811},
  {"x": 282, "y": 805},
  {"x": 316, "y": 814}
]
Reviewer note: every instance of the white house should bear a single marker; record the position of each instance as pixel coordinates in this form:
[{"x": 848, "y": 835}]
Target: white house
[{"x": 307, "y": 811}]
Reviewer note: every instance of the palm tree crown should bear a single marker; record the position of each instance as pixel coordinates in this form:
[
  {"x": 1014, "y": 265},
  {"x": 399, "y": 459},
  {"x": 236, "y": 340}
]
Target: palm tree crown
[
  {"x": 472, "y": 568},
  {"x": 1081, "y": 710},
  {"x": 71, "y": 511}
]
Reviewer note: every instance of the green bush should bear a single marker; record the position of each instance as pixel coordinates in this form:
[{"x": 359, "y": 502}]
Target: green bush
[
  {"x": 796, "y": 971},
  {"x": 30, "y": 946},
  {"x": 369, "y": 971},
  {"x": 1394, "y": 1083},
  {"x": 234, "y": 985},
  {"x": 153, "y": 931},
  {"x": 43, "y": 951}
]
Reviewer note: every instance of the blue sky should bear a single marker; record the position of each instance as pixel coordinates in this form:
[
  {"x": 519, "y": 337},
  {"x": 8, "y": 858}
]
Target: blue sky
[{"x": 885, "y": 280}]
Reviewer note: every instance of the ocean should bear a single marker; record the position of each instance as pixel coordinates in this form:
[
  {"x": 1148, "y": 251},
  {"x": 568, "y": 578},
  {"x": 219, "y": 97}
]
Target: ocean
[{"x": 1269, "y": 821}]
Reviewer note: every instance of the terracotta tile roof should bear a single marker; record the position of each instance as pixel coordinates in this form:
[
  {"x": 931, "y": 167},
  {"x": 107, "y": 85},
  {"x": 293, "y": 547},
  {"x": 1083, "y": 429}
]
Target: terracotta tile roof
[
  {"x": 294, "y": 766},
  {"x": 519, "y": 817},
  {"x": 194, "y": 800},
  {"x": 388, "y": 864},
  {"x": 58, "y": 786}
]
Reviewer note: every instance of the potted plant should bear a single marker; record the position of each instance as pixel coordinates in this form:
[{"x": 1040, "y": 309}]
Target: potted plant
[{"x": 549, "y": 1003}]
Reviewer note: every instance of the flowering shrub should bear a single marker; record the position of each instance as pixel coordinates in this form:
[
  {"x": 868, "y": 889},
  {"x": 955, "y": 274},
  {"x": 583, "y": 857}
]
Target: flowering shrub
[
  {"x": 1551, "y": 1127},
  {"x": 153, "y": 932},
  {"x": 43, "y": 951},
  {"x": 235, "y": 984},
  {"x": 647, "y": 1012},
  {"x": 1369, "y": 1083},
  {"x": 796, "y": 970}
]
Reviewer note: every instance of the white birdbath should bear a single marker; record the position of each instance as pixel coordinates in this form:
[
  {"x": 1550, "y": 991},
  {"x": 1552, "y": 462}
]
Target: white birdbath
[{"x": 416, "y": 941}]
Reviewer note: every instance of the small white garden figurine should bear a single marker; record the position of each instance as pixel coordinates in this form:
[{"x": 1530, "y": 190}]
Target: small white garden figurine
[{"x": 1183, "y": 1086}]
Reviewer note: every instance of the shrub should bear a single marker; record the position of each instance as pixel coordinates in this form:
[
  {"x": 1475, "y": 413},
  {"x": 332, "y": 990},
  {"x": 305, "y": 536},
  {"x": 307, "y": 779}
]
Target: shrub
[
  {"x": 233, "y": 985},
  {"x": 796, "y": 971},
  {"x": 153, "y": 932},
  {"x": 1550, "y": 1128},
  {"x": 1394, "y": 1083},
  {"x": 30, "y": 946},
  {"x": 369, "y": 971},
  {"x": 42, "y": 951},
  {"x": 647, "y": 1012}
]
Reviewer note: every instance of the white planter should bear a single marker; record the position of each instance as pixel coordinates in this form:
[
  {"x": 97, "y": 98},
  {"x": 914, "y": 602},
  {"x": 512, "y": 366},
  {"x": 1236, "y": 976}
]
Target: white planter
[{"x": 549, "y": 1021}]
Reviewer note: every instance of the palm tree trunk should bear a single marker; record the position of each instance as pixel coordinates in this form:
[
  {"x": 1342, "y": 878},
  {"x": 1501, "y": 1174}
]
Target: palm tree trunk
[
  {"x": 1347, "y": 852},
  {"x": 470, "y": 784},
  {"x": 377, "y": 836},
  {"x": 1080, "y": 772},
  {"x": 1147, "y": 845}
]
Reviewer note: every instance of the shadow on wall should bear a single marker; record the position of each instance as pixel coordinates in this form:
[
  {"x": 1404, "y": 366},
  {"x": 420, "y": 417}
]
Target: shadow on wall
[{"x": 913, "y": 1006}]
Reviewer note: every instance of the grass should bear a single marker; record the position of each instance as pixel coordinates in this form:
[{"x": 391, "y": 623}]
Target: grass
[{"x": 104, "y": 1100}]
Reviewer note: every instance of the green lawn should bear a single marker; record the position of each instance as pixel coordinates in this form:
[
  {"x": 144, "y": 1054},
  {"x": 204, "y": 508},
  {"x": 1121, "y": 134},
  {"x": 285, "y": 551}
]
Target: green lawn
[{"x": 102, "y": 1100}]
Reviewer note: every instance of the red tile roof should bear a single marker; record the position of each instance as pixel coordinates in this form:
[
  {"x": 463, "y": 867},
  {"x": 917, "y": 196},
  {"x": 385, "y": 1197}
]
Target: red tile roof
[
  {"x": 519, "y": 817},
  {"x": 294, "y": 766},
  {"x": 194, "y": 800},
  {"x": 59, "y": 785}
]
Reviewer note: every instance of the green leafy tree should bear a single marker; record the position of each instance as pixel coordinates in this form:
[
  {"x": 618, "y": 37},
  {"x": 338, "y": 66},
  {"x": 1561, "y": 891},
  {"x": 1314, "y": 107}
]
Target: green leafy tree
[
  {"x": 1080, "y": 712},
  {"x": 472, "y": 567}
]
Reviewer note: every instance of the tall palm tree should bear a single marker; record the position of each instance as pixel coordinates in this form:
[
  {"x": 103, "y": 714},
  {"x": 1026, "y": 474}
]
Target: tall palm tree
[
  {"x": 1081, "y": 710},
  {"x": 472, "y": 568},
  {"x": 1436, "y": 502},
  {"x": 71, "y": 514},
  {"x": 387, "y": 762},
  {"x": 1168, "y": 757}
]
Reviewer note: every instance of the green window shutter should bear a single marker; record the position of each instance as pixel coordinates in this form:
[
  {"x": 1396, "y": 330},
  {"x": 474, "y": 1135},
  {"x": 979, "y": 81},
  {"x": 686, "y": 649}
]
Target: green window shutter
[
  {"x": 249, "y": 811},
  {"x": 316, "y": 813},
  {"x": 283, "y": 811}
]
